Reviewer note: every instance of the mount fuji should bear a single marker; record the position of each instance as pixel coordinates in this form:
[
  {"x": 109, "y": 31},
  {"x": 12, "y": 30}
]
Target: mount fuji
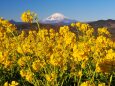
[{"x": 57, "y": 18}]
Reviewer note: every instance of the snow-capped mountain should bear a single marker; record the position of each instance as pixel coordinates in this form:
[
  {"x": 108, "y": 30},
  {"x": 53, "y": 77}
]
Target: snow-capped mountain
[{"x": 57, "y": 18}]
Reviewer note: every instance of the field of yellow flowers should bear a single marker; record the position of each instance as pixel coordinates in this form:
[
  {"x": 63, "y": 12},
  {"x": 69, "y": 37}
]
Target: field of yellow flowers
[{"x": 56, "y": 58}]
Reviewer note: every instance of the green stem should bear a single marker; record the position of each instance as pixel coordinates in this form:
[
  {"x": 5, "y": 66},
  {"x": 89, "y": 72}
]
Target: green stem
[
  {"x": 79, "y": 81},
  {"x": 36, "y": 19},
  {"x": 110, "y": 80},
  {"x": 38, "y": 25}
]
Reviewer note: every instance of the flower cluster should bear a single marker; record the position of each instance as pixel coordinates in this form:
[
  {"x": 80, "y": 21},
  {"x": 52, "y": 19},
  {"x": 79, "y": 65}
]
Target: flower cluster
[
  {"x": 6, "y": 26},
  {"x": 28, "y": 16},
  {"x": 13, "y": 83},
  {"x": 56, "y": 58}
]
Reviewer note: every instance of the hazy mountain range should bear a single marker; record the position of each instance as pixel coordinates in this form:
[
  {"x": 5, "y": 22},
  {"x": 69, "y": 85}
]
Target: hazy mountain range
[{"x": 60, "y": 19}]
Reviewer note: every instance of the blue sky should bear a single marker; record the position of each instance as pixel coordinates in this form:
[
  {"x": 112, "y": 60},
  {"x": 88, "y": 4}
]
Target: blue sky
[{"x": 82, "y": 10}]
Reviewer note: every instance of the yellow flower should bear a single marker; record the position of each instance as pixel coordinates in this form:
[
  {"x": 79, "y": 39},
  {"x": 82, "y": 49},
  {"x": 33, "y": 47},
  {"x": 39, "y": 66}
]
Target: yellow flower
[
  {"x": 36, "y": 65},
  {"x": 23, "y": 73},
  {"x": 27, "y": 16},
  {"x": 7, "y": 63},
  {"x": 6, "y": 26},
  {"x": 72, "y": 24},
  {"x": 89, "y": 32},
  {"x": 50, "y": 77},
  {"x": 101, "y": 84},
  {"x": 85, "y": 83},
  {"x": 29, "y": 76},
  {"x": 78, "y": 24},
  {"x": 19, "y": 50},
  {"x": 79, "y": 55},
  {"x": 80, "y": 73},
  {"x": 102, "y": 31},
  {"x": 63, "y": 30},
  {"x": 14, "y": 83},
  {"x": 6, "y": 84},
  {"x": 98, "y": 68},
  {"x": 52, "y": 60},
  {"x": 83, "y": 65},
  {"x": 1, "y": 57},
  {"x": 110, "y": 54},
  {"x": 22, "y": 61}
]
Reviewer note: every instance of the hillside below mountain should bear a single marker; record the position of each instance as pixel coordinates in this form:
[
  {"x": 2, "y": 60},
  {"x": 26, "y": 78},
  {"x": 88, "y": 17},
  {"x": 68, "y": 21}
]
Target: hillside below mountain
[{"x": 110, "y": 24}]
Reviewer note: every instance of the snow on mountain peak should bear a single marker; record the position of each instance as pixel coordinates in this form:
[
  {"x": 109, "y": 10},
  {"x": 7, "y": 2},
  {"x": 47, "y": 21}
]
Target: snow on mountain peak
[{"x": 56, "y": 16}]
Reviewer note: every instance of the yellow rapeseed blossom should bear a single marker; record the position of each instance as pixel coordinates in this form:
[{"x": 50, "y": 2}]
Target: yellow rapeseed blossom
[
  {"x": 13, "y": 83},
  {"x": 101, "y": 84},
  {"x": 49, "y": 57},
  {"x": 102, "y": 31},
  {"x": 78, "y": 24},
  {"x": 7, "y": 63},
  {"x": 37, "y": 65},
  {"x": 98, "y": 68},
  {"x": 6, "y": 26},
  {"x": 19, "y": 50},
  {"x": 87, "y": 83},
  {"x": 53, "y": 62},
  {"x": 6, "y": 84},
  {"x": 27, "y": 16},
  {"x": 22, "y": 61},
  {"x": 1, "y": 57},
  {"x": 29, "y": 76},
  {"x": 23, "y": 73},
  {"x": 80, "y": 73},
  {"x": 50, "y": 77},
  {"x": 72, "y": 24}
]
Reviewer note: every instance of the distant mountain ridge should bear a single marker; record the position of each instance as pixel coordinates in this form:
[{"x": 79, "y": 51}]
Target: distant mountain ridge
[
  {"x": 103, "y": 23},
  {"x": 65, "y": 21},
  {"x": 15, "y": 22}
]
